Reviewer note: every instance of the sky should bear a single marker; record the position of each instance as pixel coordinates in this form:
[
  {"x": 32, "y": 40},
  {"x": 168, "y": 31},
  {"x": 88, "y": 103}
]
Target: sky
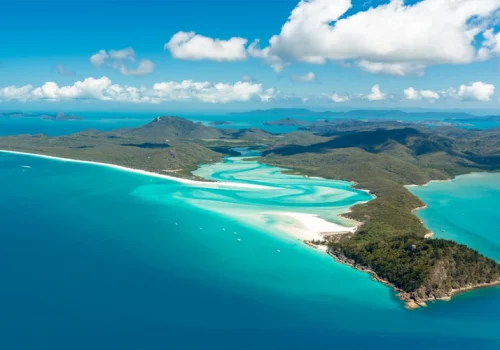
[{"x": 249, "y": 54}]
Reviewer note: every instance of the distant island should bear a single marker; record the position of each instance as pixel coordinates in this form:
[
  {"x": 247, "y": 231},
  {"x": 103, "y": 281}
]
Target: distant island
[
  {"x": 382, "y": 157},
  {"x": 220, "y": 122},
  {"x": 491, "y": 118},
  {"x": 286, "y": 122},
  {"x": 44, "y": 116},
  {"x": 365, "y": 113}
]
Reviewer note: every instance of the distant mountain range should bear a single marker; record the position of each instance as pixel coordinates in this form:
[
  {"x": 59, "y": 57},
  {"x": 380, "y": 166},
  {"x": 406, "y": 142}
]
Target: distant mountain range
[
  {"x": 365, "y": 113},
  {"x": 44, "y": 116}
]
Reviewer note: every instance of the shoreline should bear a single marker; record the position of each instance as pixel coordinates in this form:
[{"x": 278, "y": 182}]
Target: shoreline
[
  {"x": 216, "y": 184},
  {"x": 411, "y": 301},
  {"x": 429, "y": 233}
]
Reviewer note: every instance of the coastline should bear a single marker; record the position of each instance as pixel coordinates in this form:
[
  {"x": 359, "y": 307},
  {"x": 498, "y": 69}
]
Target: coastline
[
  {"x": 429, "y": 233},
  {"x": 147, "y": 173},
  {"x": 411, "y": 300}
]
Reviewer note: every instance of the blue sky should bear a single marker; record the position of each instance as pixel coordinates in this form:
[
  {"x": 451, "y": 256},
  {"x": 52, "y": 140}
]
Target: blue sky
[{"x": 331, "y": 54}]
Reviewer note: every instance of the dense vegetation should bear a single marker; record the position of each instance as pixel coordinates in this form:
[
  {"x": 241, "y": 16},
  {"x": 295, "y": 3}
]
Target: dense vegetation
[
  {"x": 166, "y": 145},
  {"x": 392, "y": 242}
]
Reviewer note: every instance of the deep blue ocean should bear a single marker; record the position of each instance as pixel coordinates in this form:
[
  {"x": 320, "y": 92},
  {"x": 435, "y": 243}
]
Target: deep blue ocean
[{"x": 97, "y": 258}]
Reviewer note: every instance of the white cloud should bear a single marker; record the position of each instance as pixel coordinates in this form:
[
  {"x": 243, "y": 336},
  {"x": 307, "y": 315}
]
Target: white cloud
[
  {"x": 306, "y": 78},
  {"x": 276, "y": 62},
  {"x": 376, "y": 94},
  {"x": 429, "y": 95},
  {"x": 339, "y": 98},
  {"x": 268, "y": 95},
  {"x": 103, "y": 89},
  {"x": 89, "y": 88},
  {"x": 192, "y": 46},
  {"x": 399, "y": 69},
  {"x": 117, "y": 59},
  {"x": 392, "y": 38},
  {"x": 123, "y": 54},
  {"x": 14, "y": 93},
  {"x": 490, "y": 45},
  {"x": 477, "y": 91},
  {"x": 145, "y": 67},
  {"x": 99, "y": 58}
]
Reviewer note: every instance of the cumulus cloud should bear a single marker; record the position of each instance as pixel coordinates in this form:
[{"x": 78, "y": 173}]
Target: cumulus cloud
[
  {"x": 477, "y": 91},
  {"x": 16, "y": 93},
  {"x": 103, "y": 89},
  {"x": 265, "y": 54},
  {"x": 376, "y": 94},
  {"x": 413, "y": 94},
  {"x": 394, "y": 38},
  {"x": 490, "y": 45},
  {"x": 117, "y": 59},
  {"x": 192, "y": 46},
  {"x": 399, "y": 69},
  {"x": 339, "y": 98}
]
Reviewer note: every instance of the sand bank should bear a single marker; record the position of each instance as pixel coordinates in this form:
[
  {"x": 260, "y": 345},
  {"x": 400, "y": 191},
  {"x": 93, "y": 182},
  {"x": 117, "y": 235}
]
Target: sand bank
[{"x": 308, "y": 227}]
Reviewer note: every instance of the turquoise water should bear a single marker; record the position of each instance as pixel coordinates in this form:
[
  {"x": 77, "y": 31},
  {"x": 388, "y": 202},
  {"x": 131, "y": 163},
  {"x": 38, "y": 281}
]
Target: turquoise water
[
  {"x": 106, "y": 121},
  {"x": 92, "y": 258},
  {"x": 97, "y": 121},
  {"x": 466, "y": 210}
]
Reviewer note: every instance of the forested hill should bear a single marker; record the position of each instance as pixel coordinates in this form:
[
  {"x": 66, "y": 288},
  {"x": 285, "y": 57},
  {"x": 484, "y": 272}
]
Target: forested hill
[{"x": 172, "y": 128}]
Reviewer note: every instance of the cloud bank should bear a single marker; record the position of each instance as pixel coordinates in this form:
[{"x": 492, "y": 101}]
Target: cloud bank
[{"x": 103, "y": 89}]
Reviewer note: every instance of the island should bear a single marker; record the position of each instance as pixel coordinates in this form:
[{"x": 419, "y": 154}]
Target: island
[
  {"x": 390, "y": 243},
  {"x": 376, "y": 114},
  {"x": 286, "y": 122},
  {"x": 56, "y": 116}
]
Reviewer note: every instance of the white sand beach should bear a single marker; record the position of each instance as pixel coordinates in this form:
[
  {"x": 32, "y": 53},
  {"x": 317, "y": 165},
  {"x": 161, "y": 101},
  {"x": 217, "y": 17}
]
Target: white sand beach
[
  {"x": 309, "y": 227},
  {"x": 149, "y": 173}
]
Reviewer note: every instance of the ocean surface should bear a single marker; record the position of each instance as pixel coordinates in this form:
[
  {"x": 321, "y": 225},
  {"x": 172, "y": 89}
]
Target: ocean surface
[
  {"x": 106, "y": 121},
  {"x": 465, "y": 209},
  {"x": 97, "y": 258}
]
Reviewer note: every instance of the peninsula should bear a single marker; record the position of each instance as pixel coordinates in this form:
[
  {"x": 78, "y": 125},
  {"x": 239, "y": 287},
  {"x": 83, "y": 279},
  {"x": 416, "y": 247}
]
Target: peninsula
[{"x": 382, "y": 157}]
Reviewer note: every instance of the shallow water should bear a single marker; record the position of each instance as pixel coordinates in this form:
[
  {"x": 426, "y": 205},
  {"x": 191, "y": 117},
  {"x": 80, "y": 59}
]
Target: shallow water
[{"x": 92, "y": 257}]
